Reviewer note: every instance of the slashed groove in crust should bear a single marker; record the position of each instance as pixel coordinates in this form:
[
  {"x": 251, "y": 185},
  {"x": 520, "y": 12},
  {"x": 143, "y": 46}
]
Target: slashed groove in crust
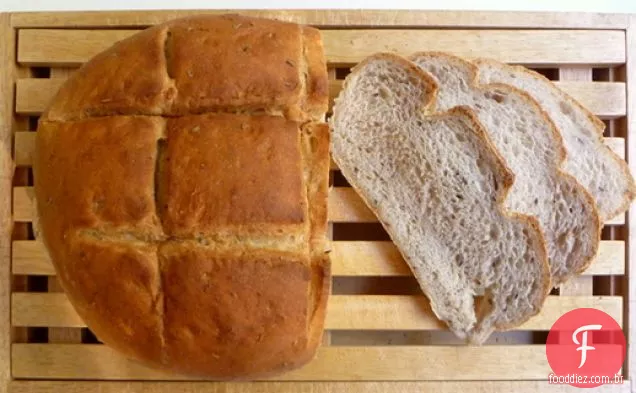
[
  {"x": 152, "y": 155},
  {"x": 176, "y": 60},
  {"x": 603, "y": 173},
  {"x": 533, "y": 149},
  {"x": 402, "y": 159}
]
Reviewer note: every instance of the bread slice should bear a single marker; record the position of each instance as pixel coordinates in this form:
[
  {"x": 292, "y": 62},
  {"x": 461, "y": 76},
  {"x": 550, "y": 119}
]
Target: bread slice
[
  {"x": 438, "y": 185},
  {"x": 603, "y": 174},
  {"x": 532, "y": 148}
]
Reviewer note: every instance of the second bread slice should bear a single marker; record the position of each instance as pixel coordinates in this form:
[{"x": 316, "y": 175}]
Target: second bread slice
[
  {"x": 438, "y": 185},
  {"x": 532, "y": 148},
  {"x": 604, "y": 175}
]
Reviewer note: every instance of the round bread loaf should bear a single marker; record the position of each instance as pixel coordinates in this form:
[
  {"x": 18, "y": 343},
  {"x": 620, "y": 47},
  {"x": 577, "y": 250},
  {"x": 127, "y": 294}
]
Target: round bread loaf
[{"x": 181, "y": 183}]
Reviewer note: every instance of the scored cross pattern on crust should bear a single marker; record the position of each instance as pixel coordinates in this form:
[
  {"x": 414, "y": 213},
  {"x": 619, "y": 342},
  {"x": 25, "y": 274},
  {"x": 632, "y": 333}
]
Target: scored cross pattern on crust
[{"x": 198, "y": 235}]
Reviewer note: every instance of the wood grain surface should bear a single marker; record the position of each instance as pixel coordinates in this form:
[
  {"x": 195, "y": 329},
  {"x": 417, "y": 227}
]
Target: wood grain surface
[
  {"x": 345, "y": 205},
  {"x": 349, "y": 259},
  {"x": 6, "y": 173},
  {"x": 356, "y": 312},
  {"x": 388, "y": 363},
  {"x": 604, "y": 99},
  {"x": 576, "y": 48},
  {"x": 347, "y": 47},
  {"x": 339, "y": 18},
  {"x": 303, "y": 387}
]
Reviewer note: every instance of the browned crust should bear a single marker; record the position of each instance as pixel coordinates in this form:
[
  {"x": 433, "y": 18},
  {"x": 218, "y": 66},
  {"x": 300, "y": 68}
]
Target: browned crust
[
  {"x": 108, "y": 221},
  {"x": 129, "y": 318},
  {"x": 83, "y": 171},
  {"x": 255, "y": 172},
  {"x": 101, "y": 238},
  {"x": 251, "y": 308},
  {"x": 316, "y": 140},
  {"x": 591, "y": 209},
  {"x": 234, "y": 47},
  {"x": 599, "y": 127},
  {"x": 505, "y": 174},
  {"x": 203, "y": 64},
  {"x": 315, "y": 74},
  {"x": 120, "y": 80}
]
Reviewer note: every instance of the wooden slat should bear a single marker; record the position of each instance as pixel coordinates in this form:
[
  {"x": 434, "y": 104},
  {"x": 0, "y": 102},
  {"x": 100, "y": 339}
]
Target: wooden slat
[
  {"x": 338, "y": 18},
  {"x": 578, "y": 286},
  {"x": 32, "y": 51},
  {"x": 29, "y": 257},
  {"x": 383, "y": 259},
  {"x": 596, "y": 96},
  {"x": 22, "y": 386},
  {"x": 7, "y": 75},
  {"x": 604, "y": 99},
  {"x": 361, "y": 258},
  {"x": 345, "y": 205},
  {"x": 33, "y": 95},
  {"x": 539, "y": 47},
  {"x": 530, "y": 47},
  {"x": 58, "y": 334},
  {"x": 435, "y": 363},
  {"x": 617, "y": 145},
  {"x": 23, "y": 204},
  {"x": 575, "y": 73},
  {"x": 619, "y": 220},
  {"x": 61, "y": 72},
  {"x": 24, "y": 144},
  {"x": 344, "y": 312}
]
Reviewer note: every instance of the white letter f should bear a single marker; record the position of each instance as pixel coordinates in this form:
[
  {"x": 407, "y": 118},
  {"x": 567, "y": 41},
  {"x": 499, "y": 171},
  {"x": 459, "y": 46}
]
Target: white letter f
[{"x": 584, "y": 347}]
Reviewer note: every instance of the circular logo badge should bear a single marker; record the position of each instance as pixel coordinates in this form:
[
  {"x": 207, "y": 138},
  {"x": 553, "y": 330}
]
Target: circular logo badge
[{"x": 585, "y": 348}]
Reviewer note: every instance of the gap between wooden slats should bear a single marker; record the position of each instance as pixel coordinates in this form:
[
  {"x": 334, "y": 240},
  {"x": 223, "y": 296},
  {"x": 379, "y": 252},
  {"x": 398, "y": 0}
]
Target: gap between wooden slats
[
  {"x": 544, "y": 47},
  {"x": 348, "y": 258},
  {"x": 604, "y": 99},
  {"x": 22, "y": 386},
  {"x": 345, "y": 205},
  {"x": 344, "y": 312},
  {"x": 525, "y": 362}
]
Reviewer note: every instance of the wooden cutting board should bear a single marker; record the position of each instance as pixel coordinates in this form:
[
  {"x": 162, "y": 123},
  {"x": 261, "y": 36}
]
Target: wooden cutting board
[{"x": 381, "y": 334}]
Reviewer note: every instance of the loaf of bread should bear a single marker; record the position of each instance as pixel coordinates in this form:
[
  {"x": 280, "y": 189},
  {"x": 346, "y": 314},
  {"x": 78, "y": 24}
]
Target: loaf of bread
[
  {"x": 438, "y": 185},
  {"x": 181, "y": 180},
  {"x": 533, "y": 149}
]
